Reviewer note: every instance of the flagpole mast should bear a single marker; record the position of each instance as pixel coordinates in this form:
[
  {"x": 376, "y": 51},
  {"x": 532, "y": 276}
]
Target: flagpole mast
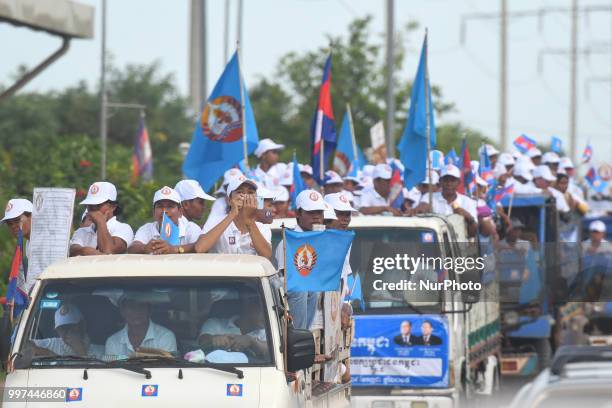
[
  {"x": 244, "y": 133},
  {"x": 350, "y": 117},
  {"x": 427, "y": 126}
]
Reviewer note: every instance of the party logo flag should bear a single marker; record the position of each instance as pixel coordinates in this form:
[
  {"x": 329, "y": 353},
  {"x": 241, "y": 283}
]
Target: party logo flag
[
  {"x": 169, "y": 231},
  {"x": 315, "y": 259},
  {"x": 142, "y": 157},
  {"x": 587, "y": 154},
  {"x": 596, "y": 183},
  {"x": 524, "y": 143},
  {"x": 500, "y": 193},
  {"x": 323, "y": 129},
  {"x": 348, "y": 157},
  {"x": 556, "y": 145},
  {"x": 298, "y": 183},
  {"x": 413, "y": 144},
  {"x": 219, "y": 138}
]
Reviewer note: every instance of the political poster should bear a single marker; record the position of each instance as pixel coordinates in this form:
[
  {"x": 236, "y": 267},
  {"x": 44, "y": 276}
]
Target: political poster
[{"x": 400, "y": 350}]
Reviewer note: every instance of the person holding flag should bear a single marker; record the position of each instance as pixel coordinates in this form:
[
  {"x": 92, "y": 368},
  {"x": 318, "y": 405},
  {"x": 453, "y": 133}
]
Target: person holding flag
[
  {"x": 156, "y": 237},
  {"x": 226, "y": 132},
  {"x": 323, "y": 129},
  {"x": 193, "y": 199},
  {"x": 238, "y": 232},
  {"x": 449, "y": 201},
  {"x": 375, "y": 199},
  {"x": 105, "y": 234},
  {"x": 18, "y": 216},
  {"x": 267, "y": 171},
  {"x": 543, "y": 179}
]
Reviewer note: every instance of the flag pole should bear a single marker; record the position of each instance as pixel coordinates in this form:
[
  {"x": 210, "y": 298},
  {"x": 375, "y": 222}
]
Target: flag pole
[
  {"x": 427, "y": 127},
  {"x": 244, "y": 133},
  {"x": 350, "y": 118},
  {"x": 285, "y": 293}
]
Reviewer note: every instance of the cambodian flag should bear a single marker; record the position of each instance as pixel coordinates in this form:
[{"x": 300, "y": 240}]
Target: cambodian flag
[
  {"x": 16, "y": 296},
  {"x": 396, "y": 197},
  {"x": 486, "y": 173},
  {"x": 524, "y": 143},
  {"x": 595, "y": 181},
  {"x": 587, "y": 154},
  {"x": 323, "y": 129},
  {"x": 467, "y": 178},
  {"x": 503, "y": 192},
  {"x": 142, "y": 157}
]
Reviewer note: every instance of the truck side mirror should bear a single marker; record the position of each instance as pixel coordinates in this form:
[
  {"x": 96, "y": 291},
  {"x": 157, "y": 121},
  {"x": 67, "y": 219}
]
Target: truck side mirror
[{"x": 300, "y": 349}]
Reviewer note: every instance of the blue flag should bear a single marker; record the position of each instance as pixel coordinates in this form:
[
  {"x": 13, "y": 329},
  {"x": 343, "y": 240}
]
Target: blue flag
[
  {"x": 451, "y": 157},
  {"x": 413, "y": 144},
  {"x": 315, "y": 259},
  {"x": 298, "y": 183},
  {"x": 348, "y": 157},
  {"x": 169, "y": 231},
  {"x": 217, "y": 143},
  {"x": 556, "y": 144}
]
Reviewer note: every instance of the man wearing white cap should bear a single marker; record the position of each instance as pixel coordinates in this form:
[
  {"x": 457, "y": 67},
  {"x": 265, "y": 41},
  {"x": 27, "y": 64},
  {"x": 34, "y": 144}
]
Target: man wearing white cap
[
  {"x": 266, "y": 214},
  {"x": 375, "y": 199},
  {"x": 522, "y": 180},
  {"x": 18, "y": 216},
  {"x": 552, "y": 160},
  {"x": 267, "y": 152},
  {"x": 148, "y": 238},
  {"x": 309, "y": 213},
  {"x": 332, "y": 183},
  {"x": 281, "y": 203},
  {"x": 193, "y": 199},
  {"x": 412, "y": 198},
  {"x": 542, "y": 179},
  {"x": 423, "y": 186},
  {"x": 492, "y": 152},
  {"x": 567, "y": 165},
  {"x": 596, "y": 243},
  {"x": 448, "y": 201},
  {"x": 105, "y": 235},
  {"x": 72, "y": 340},
  {"x": 535, "y": 155},
  {"x": 306, "y": 173},
  {"x": 238, "y": 232}
]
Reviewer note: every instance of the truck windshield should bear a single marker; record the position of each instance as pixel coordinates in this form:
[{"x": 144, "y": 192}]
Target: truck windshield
[
  {"x": 166, "y": 320},
  {"x": 371, "y": 244}
]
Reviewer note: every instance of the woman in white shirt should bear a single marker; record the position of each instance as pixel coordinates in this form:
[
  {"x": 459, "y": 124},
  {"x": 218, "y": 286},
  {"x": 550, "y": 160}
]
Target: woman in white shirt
[{"x": 237, "y": 232}]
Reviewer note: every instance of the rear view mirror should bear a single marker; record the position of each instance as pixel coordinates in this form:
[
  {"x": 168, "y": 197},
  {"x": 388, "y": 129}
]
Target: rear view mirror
[{"x": 300, "y": 349}]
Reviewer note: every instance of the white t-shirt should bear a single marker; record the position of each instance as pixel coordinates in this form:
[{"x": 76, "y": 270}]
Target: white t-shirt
[
  {"x": 157, "y": 337},
  {"x": 221, "y": 326},
  {"x": 371, "y": 198},
  {"x": 189, "y": 232},
  {"x": 218, "y": 209},
  {"x": 443, "y": 207},
  {"x": 232, "y": 241},
  {"x": 270, "y": 179},
  {"x": 526, "y": 188},
  {"x": 87, "y": 237},
  {"x": 59, "y": 347},
  {"x": 560, "y": 200}
]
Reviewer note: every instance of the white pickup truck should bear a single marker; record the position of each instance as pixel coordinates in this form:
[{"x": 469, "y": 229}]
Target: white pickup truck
[{"x": 174, "y": 330}]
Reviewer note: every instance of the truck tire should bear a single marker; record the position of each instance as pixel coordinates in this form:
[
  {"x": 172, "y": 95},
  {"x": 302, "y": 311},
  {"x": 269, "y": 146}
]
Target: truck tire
[{"x": 544, "y": 351}]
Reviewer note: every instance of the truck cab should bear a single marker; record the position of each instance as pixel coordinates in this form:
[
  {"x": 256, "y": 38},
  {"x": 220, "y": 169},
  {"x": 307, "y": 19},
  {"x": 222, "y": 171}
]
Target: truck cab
[{"x": 209, "y": 330}]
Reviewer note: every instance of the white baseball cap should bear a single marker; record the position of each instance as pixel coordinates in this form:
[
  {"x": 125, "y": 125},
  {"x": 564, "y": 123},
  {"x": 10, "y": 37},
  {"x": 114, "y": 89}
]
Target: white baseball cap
[
  {"x": 190, "y": 189},
  {"x": 534, "y": 152},
  {"x": 286, "y": 178},
  {"x": 265, "y": 193},
  {"x": 550, "y": 157},
  {"x": 382, "y": 171},
  {"x": 281, "y": 194},
  {"x": 329, "y": 213},
  {"x": 15, "y": 207},
  {"x": 310, "y": 200},
  {"x": 491, "y": 150},
  {"x": 305, "y": 168},
  {"x": 566, "y": 163},
  {"x": 480, "y": 181},
  {"x": 597, "y": 226},
  {"x": 339, "y": 201},
  {"x": 265, "y": 145},
  {"x": 517, "y": 155},
  {"x": 435, "y": 177},
  {"x": 331, "y": 177},
  {"x": 167, "y": 193},
  {"x": 450, "y": 170},
  {"x": 67, "y": 314},
  {"x": 499, "y": 170},
  {"x": 237, "y": 182},
  {"x": 542, "y": 171},
  {"x": 368, "y": 170},
  {"x": 522, "y": 170},
  {"x": 506, "y": 159},
  {"x": 100, "y": 192}
]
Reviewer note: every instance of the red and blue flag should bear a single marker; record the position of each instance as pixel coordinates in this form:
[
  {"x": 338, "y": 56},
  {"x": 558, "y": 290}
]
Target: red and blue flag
[
  {"x": 468, "y": 182},
  {"x": 323, "y": 129},
  {"x": 396, "y": 186},
  {"x": 587, "y": 154},
  {"x": 142, "y": 157},
  {"x": 503, "y": 192},
  {"x": 596, "y": 182},
  {"x": 524, "y": 143},
  {"x": 16, "y": 296},
  {"x": 485, "y": 170}
]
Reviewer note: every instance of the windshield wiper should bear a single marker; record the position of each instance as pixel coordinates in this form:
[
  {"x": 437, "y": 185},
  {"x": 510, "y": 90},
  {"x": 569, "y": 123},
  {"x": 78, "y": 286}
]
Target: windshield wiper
[
  {"x": 187, "y": 363},
  {"x": 138, "y": 370}
]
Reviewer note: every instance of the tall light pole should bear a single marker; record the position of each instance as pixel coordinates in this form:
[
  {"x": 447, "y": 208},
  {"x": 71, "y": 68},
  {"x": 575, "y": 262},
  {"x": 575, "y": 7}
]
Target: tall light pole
[
  {"x": 103, "y": 129},
  {"x": 389, "y": 78},
  {"x": 198, "y": 81},
  {"x": 226, "y": 31},
  {"x": 503, "y": 76},
  {"x": 573, "y": 81}
]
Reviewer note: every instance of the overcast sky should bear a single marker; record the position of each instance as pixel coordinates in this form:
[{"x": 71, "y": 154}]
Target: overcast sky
[{"x": 141, "y": 31}]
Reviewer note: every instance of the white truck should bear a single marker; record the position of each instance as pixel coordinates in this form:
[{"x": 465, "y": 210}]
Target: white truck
[
  {"x": 417, "y": 347},
  {"x": 209, "y": 330}
]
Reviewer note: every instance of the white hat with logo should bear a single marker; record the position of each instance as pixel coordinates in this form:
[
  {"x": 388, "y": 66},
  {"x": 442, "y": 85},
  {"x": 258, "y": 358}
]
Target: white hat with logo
[
  {"x": 435, "y": 177},
  {"x": 339, "y": 201},
  {"x": 543, "y": 171},
  {"x": 506, "y": 159},
  {"x": 450, "y": 170},
  {"x": 566, "y": 163},
  {"x": 382, "y": 171},
  {"x": 237, "y": 182},
  {"x": 522, "y": 170},
  {"x": 190, "y": 189},
  {"x": 266, "y": 145},
  {"x": 67, "y": 314},
  {"x": 331, "y": 177},
  {"x": 550, "y": 158},
  {"x": 15, "y": 207},
  {"x": 281, "y": 194},
  {"x": 305, "y": 168},
  {"x": 329, "y": 213},
  {"x": 286, "y": 178},
  {"x": 491, "y": 150},
  {"x": 310, "y": 200},
  {"x": 597, "y": 226},
  {"x": 265, "y": 193},
  {"x": 167, "y": 193},
  {"x": 100, "y": 192},
  {"x": 534, "y": 152}
]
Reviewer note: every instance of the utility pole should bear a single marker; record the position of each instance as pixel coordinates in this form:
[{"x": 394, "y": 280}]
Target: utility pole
[
  {"x": 239, "y": 26},
  {"x": 503, "y": 76},
  {"x": 198, "y": 56},
  {"x": 389, "y": 78},
  {"x": 226, "y": 32},
  {"x": 573, "y": 102},
  {"x": 103, "y": 96}
]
